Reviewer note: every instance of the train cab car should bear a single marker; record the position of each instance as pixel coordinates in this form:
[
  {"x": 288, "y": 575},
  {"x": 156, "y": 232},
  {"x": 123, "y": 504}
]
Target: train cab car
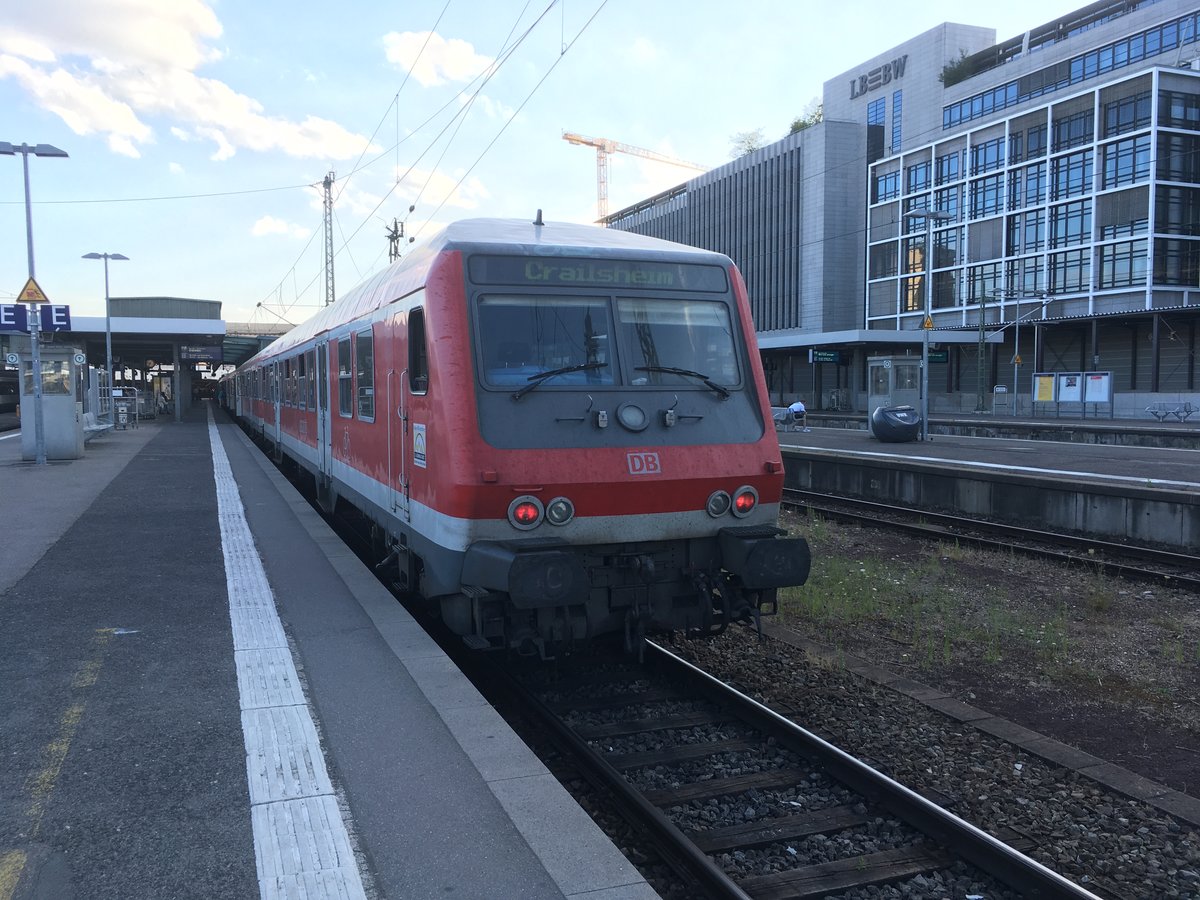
[{"x": 559, "y": 431}]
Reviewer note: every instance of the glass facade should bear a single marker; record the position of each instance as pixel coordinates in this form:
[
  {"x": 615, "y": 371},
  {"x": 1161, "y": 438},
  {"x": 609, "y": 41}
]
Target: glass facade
[
  {"x": 1128, "y": 51},
  {"x": 1057, "y": 200}
]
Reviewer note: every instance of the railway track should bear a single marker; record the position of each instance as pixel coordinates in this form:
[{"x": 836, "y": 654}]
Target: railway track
[
  {"x": 744, "y": 803},
  {"x": 1114, "y": 559}
]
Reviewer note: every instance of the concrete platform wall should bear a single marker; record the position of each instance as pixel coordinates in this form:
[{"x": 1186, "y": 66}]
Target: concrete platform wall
[{"x": 1158, "y": 516}]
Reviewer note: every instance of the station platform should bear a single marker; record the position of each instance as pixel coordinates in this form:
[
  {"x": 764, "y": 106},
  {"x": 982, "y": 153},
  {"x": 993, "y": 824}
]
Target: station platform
[
  {"x": 1021, "y": 446},
  {"x": 1134, "y": 493},
  {"x": 207, "y": 695}
]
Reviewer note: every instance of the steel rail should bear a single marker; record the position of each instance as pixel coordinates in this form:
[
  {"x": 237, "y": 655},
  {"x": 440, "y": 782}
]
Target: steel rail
[
  {"x": 977, "y": 846},
  {"x": 942, "y": 526}
]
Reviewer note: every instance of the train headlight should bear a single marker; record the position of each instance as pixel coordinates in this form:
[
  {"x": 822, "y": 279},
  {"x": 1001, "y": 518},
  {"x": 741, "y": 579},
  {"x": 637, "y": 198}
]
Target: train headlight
[
  {"x": 718, "y": 504},
  {"x": 744, "y": 501},
  {"x": 632, "y": 416},
  {"x": 525, "y": 512},
  {"x": 560, "y": 511}
]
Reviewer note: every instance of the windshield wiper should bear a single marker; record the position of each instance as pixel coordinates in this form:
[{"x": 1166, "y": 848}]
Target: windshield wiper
[
  {"x": 671, "y": 370},
  {"x": 535, "y": 380}
]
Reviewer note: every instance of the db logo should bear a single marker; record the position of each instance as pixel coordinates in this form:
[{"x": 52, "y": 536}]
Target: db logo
[{"x": 643, "y": 464}]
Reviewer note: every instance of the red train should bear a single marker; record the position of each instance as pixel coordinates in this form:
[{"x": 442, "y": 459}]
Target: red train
[{"x": 558, "y": 431}]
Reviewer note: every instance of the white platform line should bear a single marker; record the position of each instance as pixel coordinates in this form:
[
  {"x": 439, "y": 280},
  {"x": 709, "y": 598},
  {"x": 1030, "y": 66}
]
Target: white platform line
[{"x": 301, "y": 843}]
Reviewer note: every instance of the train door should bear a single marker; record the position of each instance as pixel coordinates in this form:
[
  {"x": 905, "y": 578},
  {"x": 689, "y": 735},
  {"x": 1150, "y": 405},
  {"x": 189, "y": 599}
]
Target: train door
[
  {"x": 277, "y": 402},
  {"x": 323, "y": 423},
  {"x": 398, "y": 436}
]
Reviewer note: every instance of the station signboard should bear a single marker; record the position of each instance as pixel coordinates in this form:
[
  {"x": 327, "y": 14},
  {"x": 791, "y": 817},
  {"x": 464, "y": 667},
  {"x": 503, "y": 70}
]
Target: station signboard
[{"x": 14, "y": 317}]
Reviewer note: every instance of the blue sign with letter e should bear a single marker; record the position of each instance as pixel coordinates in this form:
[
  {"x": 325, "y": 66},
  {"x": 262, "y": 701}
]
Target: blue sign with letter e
[{"x": 14, "y": 317}]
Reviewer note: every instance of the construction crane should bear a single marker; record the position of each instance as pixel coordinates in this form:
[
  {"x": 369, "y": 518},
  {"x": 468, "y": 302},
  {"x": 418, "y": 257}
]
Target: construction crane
[{"x": 604, "y": 149}]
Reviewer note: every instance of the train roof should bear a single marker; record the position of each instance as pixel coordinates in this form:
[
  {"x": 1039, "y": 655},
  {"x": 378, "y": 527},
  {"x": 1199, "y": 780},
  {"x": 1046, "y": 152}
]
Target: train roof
[{"x": 515, "y": 236}]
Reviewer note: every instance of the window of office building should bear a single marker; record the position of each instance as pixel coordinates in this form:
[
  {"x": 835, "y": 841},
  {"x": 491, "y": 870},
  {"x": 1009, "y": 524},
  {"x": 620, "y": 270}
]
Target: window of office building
[
  {"x": 984, "y": 282},
  {"x": 1127, "y": 161},
  {"x": 945, "y": 289},
  {"x": 1127, "y": 114},
  {"x": 916, "y": 177},
  {"x": 1176, "y": 261},
  {"x": 1122, "y": 265},
  {"x": 897, "y": 119},
  {"x": 1026, "y": 232},
  {"x": 1027, "y": 186},
  {"x": 1177, "y": 109},
  {"x": 1025, "y": 275},
  {"x": 987, "y": 196},
  {"x": 949, "y": 201},
  {"x": 1176, "y": 210},
  {"x": 885, "y": 221},
  {"x": 947, "y": 247},
  {"x": 1071, "y": 223},
  {"x": 948, "y": 167},
  {"x": 1072, "y": 175},
  {"x": 884, "y": 260},
  {"x": 1178, "y": 157},
  {"x": 1028, "y": 143},
  {"x": 1074, "y": 130},
  {"x": 886, "y": 187},
  {"x": 877, "y": 111},
  {"x": 1124, "y": 213},
  {"x": 912, "y": 293},
  {"x": 1070, "y": 271},
  {"x": 912, "y": 254},
  {"x": 987, "y": 156}
]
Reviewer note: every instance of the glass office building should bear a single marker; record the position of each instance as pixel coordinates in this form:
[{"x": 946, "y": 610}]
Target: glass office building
[{"x": 1046, "y": 187}]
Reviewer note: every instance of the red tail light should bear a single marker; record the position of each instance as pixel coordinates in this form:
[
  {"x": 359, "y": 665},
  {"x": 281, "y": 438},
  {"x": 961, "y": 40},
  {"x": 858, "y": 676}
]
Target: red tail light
[
  {"x": 525, "y": 512},
  {"x": 744, "y": 501}
]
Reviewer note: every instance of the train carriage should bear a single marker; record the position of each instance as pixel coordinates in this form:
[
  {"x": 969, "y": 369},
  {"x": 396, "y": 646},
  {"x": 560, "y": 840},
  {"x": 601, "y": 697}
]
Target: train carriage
[{"x": 559, "y": 431}]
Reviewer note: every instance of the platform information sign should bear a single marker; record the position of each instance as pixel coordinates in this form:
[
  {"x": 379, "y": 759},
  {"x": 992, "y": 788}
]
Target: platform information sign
[{"x": 15, "y": 317}]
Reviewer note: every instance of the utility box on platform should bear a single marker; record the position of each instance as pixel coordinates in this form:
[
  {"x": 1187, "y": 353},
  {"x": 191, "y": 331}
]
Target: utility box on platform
[{"x": 62, "y": 403}]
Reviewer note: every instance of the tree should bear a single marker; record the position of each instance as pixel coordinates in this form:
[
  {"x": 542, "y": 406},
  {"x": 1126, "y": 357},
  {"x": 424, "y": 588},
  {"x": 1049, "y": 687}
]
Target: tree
[
  {"x": 745, "y": 142},
  {"x": 813, "y": 114}
]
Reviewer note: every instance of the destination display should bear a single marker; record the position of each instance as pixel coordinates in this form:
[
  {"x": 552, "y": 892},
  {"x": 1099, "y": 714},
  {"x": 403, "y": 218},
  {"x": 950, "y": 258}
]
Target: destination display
[{"x": 608, "y": 273}]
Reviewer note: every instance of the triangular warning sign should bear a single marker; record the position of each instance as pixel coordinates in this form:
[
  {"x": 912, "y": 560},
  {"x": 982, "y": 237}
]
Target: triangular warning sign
[
  {"x": 31, "y": 293},
  {"x": 1016, "y": 360},
  {"x": 928, "y": 324}
]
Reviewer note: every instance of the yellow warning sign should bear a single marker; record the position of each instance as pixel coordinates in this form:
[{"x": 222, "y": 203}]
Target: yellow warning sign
[
  {"x": 928, "y": 324},
  {"x": 31, "y": 293},
  {"x": 1016, "y": 360}
]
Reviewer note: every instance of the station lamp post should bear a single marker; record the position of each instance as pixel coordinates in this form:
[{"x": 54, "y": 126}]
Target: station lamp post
[
  {"x": 39, "y": 427},
  {"x": 107, "y": 326},
  {"x": 930, "y": 216}
]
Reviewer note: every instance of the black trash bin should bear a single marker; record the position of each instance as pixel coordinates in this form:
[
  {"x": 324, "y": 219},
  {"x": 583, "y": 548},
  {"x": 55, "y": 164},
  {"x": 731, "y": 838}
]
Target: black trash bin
[{"x": 896, "y": 424}]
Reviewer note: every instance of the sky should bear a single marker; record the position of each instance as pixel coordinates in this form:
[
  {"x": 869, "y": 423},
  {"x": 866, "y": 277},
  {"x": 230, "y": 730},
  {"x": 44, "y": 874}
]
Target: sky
[{"x": 199, "y": 133}]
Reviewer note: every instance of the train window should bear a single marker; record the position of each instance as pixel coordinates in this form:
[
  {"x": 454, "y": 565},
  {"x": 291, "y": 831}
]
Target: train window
[
  {"x": 682, "y": 334},
  {"x": 522, "y": 336},
  {"x": 418, "y": 358},
  {"x": 310, "y": 357},
  {"x": 364, "y": 355},
  {"x": 302, "y": 381},
  {"x": 345, "y": 379}
]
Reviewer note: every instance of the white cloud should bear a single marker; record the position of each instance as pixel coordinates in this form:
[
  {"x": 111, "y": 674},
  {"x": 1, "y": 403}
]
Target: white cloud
[
  {"x": 642, "y": 51},
  {"x": 270, "y": 225},
  {"x": 432, "y": 59},
  {"x": 493, "y": 109},
  {"x": 108, "y": 68},
  {"x": 175, "y": 168}
]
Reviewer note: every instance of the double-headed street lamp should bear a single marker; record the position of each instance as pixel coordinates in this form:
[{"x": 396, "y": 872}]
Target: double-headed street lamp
[
  {"x": 39, "y": 427},
  {"x": 107, "y": 325},
  {"x": 930, "y": 216}
]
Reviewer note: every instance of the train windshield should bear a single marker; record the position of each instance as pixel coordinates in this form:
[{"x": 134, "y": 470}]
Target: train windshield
[
  {"x": 672, "y": 342},
  {"x": 525, "y": 336}
]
